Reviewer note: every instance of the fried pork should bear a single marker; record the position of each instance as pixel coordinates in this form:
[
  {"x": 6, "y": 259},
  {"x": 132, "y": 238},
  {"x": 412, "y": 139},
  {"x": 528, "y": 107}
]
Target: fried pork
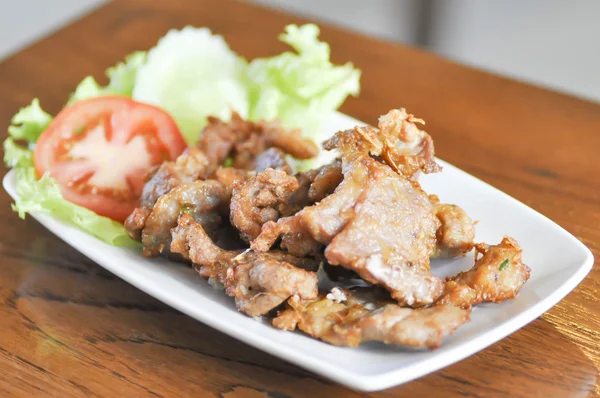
[
  {"x": 258, "y": 282},
  {"x": 364, "y": 314},
  {"x": 363, "y": 218}
]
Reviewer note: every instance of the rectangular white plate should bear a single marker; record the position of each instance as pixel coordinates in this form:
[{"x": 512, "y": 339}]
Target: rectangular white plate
[{"x": 557, "y": 259}]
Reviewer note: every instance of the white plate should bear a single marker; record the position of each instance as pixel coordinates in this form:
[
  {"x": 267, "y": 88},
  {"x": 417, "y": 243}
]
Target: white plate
[{"x": 557, "y": 259}]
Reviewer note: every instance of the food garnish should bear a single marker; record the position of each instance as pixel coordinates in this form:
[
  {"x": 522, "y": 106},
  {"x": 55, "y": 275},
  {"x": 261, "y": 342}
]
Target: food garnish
[{"x": 191, "y": 74}]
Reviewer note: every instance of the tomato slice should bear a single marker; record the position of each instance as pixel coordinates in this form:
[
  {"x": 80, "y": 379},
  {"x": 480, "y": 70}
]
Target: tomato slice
[{"x": 100, "y": 150}]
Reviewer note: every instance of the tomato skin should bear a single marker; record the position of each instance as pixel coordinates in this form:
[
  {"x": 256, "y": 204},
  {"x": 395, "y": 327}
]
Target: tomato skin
[{"x": 121, "y": 140}]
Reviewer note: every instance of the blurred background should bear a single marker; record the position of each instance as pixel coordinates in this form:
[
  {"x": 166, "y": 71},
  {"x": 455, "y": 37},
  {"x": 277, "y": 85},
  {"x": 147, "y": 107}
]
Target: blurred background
[{"x": 552, "y": 43}]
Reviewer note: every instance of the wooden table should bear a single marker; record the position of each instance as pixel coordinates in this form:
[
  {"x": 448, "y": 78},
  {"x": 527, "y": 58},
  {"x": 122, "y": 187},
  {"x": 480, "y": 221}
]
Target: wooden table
[{"x": 70, "y": 328}]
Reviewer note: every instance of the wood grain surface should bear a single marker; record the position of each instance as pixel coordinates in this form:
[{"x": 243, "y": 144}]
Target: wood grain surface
[{"x": 70, "y": 328}]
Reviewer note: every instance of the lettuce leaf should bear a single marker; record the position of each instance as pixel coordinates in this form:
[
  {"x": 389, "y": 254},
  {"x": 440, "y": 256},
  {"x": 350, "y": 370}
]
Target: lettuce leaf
[
  {"x": 43, "y": 195},
  {"x": 86, "y": 89},
  {"x": 302, "y": 88},
  {"x": 193, "y": 74},
  {"x": 16, "y": 155},
  {"x": 29, "y": 123},
  {"x": 122, "y": 76}
]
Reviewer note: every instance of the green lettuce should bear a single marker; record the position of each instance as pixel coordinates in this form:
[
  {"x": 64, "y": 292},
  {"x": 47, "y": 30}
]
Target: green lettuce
[
  {"x": 43, "y": 195},
  {"x": 87, "y": 88},
  {"x": 29, "y": 123},
  {"x": 302, "y": 88},
  {"x": 16, "y": 155},
  {"x": 122, "y": 76},
  {"x": 193, "y": 74}
]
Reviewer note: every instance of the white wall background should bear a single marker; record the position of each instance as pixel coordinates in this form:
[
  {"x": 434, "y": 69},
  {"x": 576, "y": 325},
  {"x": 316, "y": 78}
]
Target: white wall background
[{"x": 555, "y": 43}]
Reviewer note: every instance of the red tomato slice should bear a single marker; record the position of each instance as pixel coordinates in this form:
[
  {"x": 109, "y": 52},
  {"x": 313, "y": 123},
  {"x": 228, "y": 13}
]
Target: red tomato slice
[{"x": 99, "y": 151}]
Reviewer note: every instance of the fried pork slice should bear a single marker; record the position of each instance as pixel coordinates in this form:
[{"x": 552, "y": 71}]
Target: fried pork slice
[
  {"x": 205, "y": 201},
  {"x": 264, "y": 197},
  {"x": 424, "y": 327},
  {"x": 454, "y": 237},
  {"x": 135, "y": 223},
  {"x": 325, "y": 319},
  {"x": 376, "y": 223},
  {"x": 273, "y": 194},
  {"x": 305, "y": 232},
  {"x": 231, "y": 177},
  {"x": 191, "y": 241},
  {"x": 390, "y": 237},
  {"x": 259, "y": 282},
  {"x": 324, "y": 180},
  {"x": 289, "y": 141},
  {"x": 243, "y": 141},
  {"x": 458, "y": 295},
  {"x": 218, "y": 137},
  {"x": 398, "y": 142},
  {"x": 497, "y": 275},
  {"x": 351, "y": 317},
  {"x": 188, "y": 167},
  {"x": 272, "y": 158},
  {"x": 260, "y": 285}
]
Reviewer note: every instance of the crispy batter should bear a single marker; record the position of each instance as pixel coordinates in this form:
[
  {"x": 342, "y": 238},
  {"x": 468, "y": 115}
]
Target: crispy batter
[
  {"x": 243, "y": 141},
  {"x": 250, "y": 146},
  {"x": 259, "y": 286},
  {"x": 364, "y": 315},
  {"x": 424, "y": 327},
  {"x": 398, "y": 142},
  {"x": 497, "y": 275},
  {"x": 324, "y": 181},
  {"x": 359, "y": 140},
  {"x": 205, "y": 201},
  {"x": 192, "y": 242},
  {"x": 407, "y": 149},
  {"x": 264, "y": 197},
  {"x": 230, "y": 177},
  {"x": 218, "y": 138},
  {"x": 135, "y": 223},
  {"x": 458, "y": 295},
  {"x": 305, "y": 231},
  {"x": 289, "y": 141},
  {"x": 188, "y": 167},
  {"x": 454, "y": 237}
]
